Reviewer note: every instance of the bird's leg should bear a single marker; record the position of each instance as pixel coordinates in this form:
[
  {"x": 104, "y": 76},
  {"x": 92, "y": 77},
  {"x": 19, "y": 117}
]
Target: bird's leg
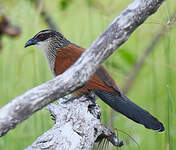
[
  {"x": 92, "y": 97},
  {"x": 53, "y": 117},
  {"x": 69, "y": 98}
]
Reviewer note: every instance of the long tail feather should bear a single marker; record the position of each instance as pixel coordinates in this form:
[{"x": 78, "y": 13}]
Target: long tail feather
[{"x": 126, "y": 107}]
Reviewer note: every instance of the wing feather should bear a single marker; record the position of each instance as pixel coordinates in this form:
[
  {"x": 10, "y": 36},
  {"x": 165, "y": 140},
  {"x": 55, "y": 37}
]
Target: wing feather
[{"x": 100, "y": 80}]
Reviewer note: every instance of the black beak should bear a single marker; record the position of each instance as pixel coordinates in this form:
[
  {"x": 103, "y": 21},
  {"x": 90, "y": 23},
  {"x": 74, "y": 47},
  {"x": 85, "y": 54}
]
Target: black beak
[{"x": 31, "y": 42}]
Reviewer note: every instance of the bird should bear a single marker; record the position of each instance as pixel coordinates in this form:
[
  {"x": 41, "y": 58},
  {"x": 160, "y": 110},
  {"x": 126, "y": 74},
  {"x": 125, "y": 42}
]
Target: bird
[{"x": 62, "y": 54}]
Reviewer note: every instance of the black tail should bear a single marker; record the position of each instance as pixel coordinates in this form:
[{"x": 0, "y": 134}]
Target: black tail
[{"x": 123, "y": 105}]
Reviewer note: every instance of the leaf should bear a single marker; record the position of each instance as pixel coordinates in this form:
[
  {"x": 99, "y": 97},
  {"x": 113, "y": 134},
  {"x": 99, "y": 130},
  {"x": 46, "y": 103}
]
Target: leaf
[
  {"x": 63, "y": 4},
  {"x": 128, "y": 56}
]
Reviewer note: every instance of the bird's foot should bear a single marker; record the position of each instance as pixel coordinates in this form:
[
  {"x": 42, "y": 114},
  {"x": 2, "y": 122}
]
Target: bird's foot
[
  {"x": 53, "y": 117},
  {"x": 69, "y": 99},
  {"x": 92, "y": 97}
]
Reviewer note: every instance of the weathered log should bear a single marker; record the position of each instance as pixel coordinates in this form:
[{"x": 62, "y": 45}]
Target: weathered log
[{"x": 77, "y": 127}]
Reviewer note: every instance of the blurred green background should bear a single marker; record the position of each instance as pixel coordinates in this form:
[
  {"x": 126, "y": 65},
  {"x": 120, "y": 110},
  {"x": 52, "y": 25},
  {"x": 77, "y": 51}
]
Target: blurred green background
[{"x": 82, "y": 21}]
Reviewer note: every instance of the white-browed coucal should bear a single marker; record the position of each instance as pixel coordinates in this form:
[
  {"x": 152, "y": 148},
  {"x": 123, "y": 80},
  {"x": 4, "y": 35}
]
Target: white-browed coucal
[{"x": 61, "y": 54}]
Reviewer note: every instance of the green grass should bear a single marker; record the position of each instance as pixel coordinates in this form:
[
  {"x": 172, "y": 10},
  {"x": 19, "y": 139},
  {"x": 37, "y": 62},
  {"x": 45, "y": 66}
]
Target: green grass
[{"x": 154, "y": 88}]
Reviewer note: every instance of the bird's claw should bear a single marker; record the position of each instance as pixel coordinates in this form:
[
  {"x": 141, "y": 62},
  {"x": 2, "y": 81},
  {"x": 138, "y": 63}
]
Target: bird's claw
[{"x": 66, "y": 100}]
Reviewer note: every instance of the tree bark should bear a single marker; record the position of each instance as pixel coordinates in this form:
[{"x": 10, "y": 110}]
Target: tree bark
[
  {"x": 76, "y": 76},
  {"x": 77, "y": 127}
]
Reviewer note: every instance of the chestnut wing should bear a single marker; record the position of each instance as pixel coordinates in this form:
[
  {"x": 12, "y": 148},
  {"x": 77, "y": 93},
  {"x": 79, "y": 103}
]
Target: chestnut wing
[{"x": 65, "y": 57}]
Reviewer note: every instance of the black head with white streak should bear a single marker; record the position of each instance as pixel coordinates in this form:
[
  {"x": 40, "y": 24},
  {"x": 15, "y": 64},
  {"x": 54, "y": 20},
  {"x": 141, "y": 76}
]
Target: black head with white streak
[
  {"x": 48, "y": 39},
  {"x": 50, "y": 42}
]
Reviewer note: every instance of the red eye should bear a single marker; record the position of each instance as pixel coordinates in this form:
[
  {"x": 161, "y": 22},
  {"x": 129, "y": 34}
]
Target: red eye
[{"x": 41, "y": 36}]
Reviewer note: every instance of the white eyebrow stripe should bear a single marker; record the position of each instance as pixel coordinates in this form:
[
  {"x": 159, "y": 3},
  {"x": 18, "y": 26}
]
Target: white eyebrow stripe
[{"x": 42, "y": 32}]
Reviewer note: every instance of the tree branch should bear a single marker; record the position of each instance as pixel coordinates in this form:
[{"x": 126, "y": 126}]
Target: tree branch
[
  {"x": 77, "y": 127},
  {"x": 115, "y": 35}
]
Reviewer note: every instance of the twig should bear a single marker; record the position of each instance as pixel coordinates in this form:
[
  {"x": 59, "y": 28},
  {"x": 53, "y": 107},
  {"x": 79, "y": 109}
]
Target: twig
[
  {"x": 47, "y": 18},
  {"x": 6, "y": 28},
  {"x": 139, "y": 64}
]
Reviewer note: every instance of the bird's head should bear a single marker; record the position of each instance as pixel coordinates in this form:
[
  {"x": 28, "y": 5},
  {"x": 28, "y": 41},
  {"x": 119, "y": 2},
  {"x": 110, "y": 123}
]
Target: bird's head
[{"x": 46, "y": 39}]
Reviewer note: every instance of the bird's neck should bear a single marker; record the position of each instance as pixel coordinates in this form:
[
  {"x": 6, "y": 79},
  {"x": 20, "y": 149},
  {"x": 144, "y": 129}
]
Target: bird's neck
[
  {"x": 51, "y": 57},
  {"x": 50, "y": 52}
]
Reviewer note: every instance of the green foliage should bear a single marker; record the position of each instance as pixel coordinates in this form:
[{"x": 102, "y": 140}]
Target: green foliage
[
  {"x": 64, "y": 4},
  {"x": 89, "y": 2},
  {"x": 128, "y": 56}
]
